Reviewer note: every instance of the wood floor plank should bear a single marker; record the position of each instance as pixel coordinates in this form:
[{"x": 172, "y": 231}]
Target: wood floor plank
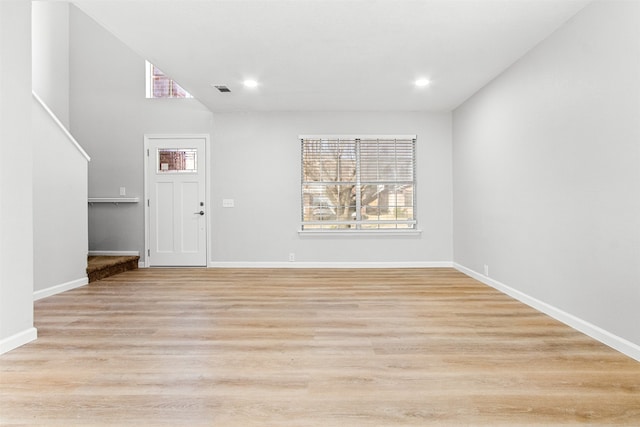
[{"x": 308, "y": 347}]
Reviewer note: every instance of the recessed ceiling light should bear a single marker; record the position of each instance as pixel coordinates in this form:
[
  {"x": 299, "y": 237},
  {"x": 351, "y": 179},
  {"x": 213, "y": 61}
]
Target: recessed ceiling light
[
  {"x": 422, "y": 82},
  {"x": 250, "y": 83}
]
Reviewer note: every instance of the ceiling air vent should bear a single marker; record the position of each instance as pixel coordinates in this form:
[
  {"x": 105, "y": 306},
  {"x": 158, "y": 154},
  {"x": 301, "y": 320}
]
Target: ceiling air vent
[{"x": 222, "y": 88}]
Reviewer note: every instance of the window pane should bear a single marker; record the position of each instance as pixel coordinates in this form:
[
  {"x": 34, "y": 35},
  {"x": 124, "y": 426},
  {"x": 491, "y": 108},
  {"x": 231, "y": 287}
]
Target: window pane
[
  {"x": 386, "y": 160},
  {"x": 374, "y": 166},
  {"x": 387, "y": 202},
  {"x": 328, "y": 202},
  {"x": 344, "y": 199},
  {"x": 347, "y": 161},
  {"x": 370, "y": 198},
  {"x": 319, "y": 205},
  {"x": 314, "y": 226},
  {"x": 329, "y": 161},
  {"x": 400, "y": 202},
  {"x": 405, "y": 213},
  {"x": 369, "y": 226},
  {"x": 405, "y": 158},
  {"x": 358, "y": 183},
  {"x": 162, "y": 86},
  {"x": 369, "y": 161},
  {"x": 156, "y": 71},
  {"x": 178, "y": 92},
  {"x": 177, "y": 160}
]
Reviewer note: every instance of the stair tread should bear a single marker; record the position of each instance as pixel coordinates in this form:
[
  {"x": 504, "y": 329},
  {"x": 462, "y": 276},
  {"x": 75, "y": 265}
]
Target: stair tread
[{"x": 100, "y": 267}]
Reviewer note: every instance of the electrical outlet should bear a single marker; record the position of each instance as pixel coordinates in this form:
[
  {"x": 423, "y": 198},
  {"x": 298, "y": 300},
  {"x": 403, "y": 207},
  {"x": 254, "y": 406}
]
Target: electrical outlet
[
  {"x": 292, "y": 257},
  {"x": 123, "y": 191},
  {"x": 228, "y": 203},
  {"x": 486, "y": 270}
]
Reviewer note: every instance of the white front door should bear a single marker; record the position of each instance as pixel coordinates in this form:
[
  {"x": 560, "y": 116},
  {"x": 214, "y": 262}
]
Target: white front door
[{"x": 176, "y": 201}]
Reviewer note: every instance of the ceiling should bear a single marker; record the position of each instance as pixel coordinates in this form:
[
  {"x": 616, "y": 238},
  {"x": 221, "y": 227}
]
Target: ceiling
[{"x": 332, "y": 55}]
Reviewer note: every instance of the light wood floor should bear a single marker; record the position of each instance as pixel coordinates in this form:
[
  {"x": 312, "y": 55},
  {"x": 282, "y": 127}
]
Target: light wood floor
[{"x": 222, "y": 347}]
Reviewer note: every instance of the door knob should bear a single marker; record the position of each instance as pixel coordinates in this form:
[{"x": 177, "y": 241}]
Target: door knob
[{"x": 199, "y": 213}]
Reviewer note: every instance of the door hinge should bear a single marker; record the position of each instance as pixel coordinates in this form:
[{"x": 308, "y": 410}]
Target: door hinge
[
  {"x": 148, "y": 252},
  {"x": 147, "y": 152},
  {"x": 148, "y": 205}
]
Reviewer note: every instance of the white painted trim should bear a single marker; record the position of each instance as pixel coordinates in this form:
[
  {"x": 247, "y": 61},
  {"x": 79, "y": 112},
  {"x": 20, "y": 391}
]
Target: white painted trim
[
  {"x": 145, "y": 200},
  {"x": 56, "y": 289},
  {"x": 16, "y": 340},
  {"x": 142, "y": 264},
  {"x": 62, "y": 127},
  {"x": 115, "y": 200},
  {"x": 114, "y": 253},
  {"x": 357, "y": 136},
  {"x": 207, "y": 180},
  {"x": 618, "y": 343},
  {"x": 344, "y": 233},
  {"x": 416, "y": 264}
]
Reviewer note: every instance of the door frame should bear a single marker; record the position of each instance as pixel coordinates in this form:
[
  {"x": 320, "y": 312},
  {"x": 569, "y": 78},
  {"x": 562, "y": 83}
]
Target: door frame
[{"x": 207, "y": 204}]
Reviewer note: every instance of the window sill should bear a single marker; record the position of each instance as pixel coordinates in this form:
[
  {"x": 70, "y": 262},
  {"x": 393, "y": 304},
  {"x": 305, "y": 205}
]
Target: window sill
[{"x": 376, "y": 233}]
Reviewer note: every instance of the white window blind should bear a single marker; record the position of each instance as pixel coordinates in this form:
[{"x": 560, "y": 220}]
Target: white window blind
[{"x": 358, "y": 183}]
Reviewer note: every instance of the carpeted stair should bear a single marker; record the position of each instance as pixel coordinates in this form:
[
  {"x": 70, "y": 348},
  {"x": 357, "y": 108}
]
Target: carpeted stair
[{"x": 100, "y": 267}]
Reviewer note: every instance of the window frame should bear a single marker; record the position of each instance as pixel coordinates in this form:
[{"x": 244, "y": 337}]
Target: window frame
[
  {"x": 360, "y": 226},
  {"x": 149, "y": 84}
]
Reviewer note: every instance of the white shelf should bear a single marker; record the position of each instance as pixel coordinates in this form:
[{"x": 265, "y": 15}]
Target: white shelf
[{"x": 116, "y": 200}]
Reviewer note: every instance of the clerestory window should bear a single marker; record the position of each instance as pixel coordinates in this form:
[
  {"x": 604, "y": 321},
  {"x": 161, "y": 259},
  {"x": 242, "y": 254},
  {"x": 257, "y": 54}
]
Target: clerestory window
[
  {"x": 159, "y": 85},
  {"x": 358, "y": 182}
]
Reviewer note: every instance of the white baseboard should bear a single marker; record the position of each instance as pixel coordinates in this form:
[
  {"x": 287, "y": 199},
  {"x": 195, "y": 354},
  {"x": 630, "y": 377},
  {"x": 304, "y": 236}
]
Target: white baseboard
[
  {"x": 16, "y": 340},
  {"x": 618, "y": 343},
  {"x": 56, "y": 289},
  {"x": 114, "y": 253},
  {"x": 228, "y": 264}
]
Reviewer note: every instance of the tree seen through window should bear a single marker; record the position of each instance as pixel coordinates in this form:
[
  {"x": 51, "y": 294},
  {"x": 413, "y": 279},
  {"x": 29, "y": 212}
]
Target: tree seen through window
[{"x": 358, "y": 183}]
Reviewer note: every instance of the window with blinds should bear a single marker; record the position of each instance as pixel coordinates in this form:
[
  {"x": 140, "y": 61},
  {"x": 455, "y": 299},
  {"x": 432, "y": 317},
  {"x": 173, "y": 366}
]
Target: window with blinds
[{"x": 358, "y": 183}]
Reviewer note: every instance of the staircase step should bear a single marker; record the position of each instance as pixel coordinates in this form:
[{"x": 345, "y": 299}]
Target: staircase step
[{"x": 100, "y": 267}]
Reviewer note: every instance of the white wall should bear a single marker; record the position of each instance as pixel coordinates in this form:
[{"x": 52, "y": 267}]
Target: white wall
[
  {"x": 59, "y": 208},
  {"x": 547, "y": 172},
  {"x": 256, "y": 161},
  {"x": 16, "y": 206},
  {"x": 50, "y": 56},
  {"x": 110, "y": 115}
]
